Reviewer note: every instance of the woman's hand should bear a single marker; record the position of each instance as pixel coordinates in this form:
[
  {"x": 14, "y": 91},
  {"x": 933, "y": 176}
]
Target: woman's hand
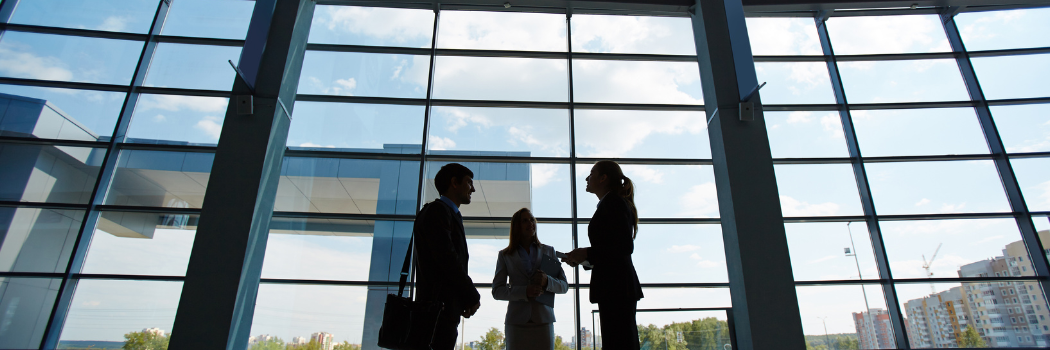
[
  {"x": 533, "y": 291},
  {"x": 576, "y": 256}
]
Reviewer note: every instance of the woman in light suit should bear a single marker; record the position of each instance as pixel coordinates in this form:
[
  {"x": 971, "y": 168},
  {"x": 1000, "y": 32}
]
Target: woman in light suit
[{"x": 529, "y": 323}]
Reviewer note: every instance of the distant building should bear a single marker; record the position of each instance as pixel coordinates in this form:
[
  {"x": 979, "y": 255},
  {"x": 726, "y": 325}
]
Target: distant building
[
  {"x": 323, "y": 338},
  {"x": 873, "y": 329},
  {"x": 259, "y": 339},
  {"x": 296, "y": 341},
  {"x": 155, "y": 331},
  {"x": 937, "y": 320}
]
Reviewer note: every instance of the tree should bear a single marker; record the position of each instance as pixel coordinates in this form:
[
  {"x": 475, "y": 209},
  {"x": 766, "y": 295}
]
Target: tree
[
  {"x": 971, "y": 339},
  {"x": 271, "y": 344},
  {"x": 846, "y": 343},
  {"x": 345, "y": 345},
  {"x": 145, "y": 340},
  {"x": 559, "y": 344},
  {"x": 492, "y": 340}
]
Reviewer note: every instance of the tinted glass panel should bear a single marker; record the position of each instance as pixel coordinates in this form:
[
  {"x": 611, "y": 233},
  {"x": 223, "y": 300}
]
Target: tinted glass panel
[
  {"x": 660, "y": 191},
  {"x": 356, "y": 127},
  {"x": 1013, "y": 76},
  {"x": 795, "y": 82},
  {"x": 511, "y": 79},
  {"x": 636, "y": 82},
  {"x": 831, "y": 251},
  {"x": 503, "y": 188},
  {"x": 804, "y": 134},
  {"x": 817, "y": 190},
  {"x": 353, "y": 25},
  {"x": 1034, "y": 178},
  {"x": 37, "y": 240},
  {"x": 27, "y": 303},
  {"x": 364, "y": 74},
  {"x": 141, "y": 244},
  {"x": 887, "y": 34},
  {"x": 1014, "y": 29},
  {"x": 845, "y": 309},
  {"x": 910, "y": 245},
  {"x": 160, "y": 179},
  {"x": 906, "y": 132},
  {"x": 1023, "y": 128},
  {"x": 193, "y": 66},
  {"x": 114, "y": 16},
  {"x": 55, "y": 174},
  {"x": 84, "y": 114},
  {"x": 641, "y": 134},
  {"x": 289, "y": 311},
  {"x": 329, "y": 249},
  {"x": 107, "y": 310},
  {"x": 677, "y": 253},
  {"x": 226, "y": 19},
  {"x": 174, "y": 119},
  {"x": 631, "y": 34},
  {"x": 68, "y": 58},
  {"x": 511, "y": 131},
  {"x": 502, "y": 31},
  {"x": 353, "y": 186},
  {"x": 902, "y": 81},
  {"x": 783, "y": 36},
  {"x": 936, "y": 187}
]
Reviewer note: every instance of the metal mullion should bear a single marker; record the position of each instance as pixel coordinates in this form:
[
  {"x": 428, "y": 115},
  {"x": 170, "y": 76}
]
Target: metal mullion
[
  {"x": 16, "y": 274},
  {"x": 633, "y": 57},
  {"x": 367, "y": 49},
  {"x": 500, "y": 53},
  {"x": 1010, "y": 52},
  {"x": 807, "y": 219},
  {"x": 800, "y": 107},
  {"x": 931, "y": 158},
  {"x": 63, "y": 84},
  {"x": 864, "y": 190},
  {"x": 343, "y": 216},
  {"x": 574, "y": 215},
  {"x": 637, "y": 106},
  {"x": 1018, "y": 101},
  {"x": 493, "y": 103},
  {"x": 650, "y": 161},
  {"x": 184, "y": 92},
  {"x": 789, "y": 58},
  {"x": 423, "y": 145},
  {"x": 51, "y": 142},
  {"x": 909, "y": 105},
  {"x": 153, "y": 210},
  {"x": 1029, "y": 155},
  {"x": 350, "y": 155},
  {"x": 1011, "y": 187},
  {"x": 362, "y": 99},
  {"x": 830, "y": 160},
  {"x": 495, "y": 159},
  {"x": 193, "y": 40},
  {"x": 895, "y": 57},
  {"x": 166, "y": 148},
  {"x": 84, "y": 33},
  {"x": 920, "y": 280},
  {"x": 103, "y": 276},
  {"x": 906, "y": 217},
  {"x": 109, "y": 163},
  {"x": 43, "y": 205}
]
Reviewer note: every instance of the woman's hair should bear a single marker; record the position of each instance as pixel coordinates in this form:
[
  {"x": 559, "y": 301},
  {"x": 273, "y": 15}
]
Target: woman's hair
[
  {"x": 620, "y": 185},
  {"x": 515, "y": 229}
]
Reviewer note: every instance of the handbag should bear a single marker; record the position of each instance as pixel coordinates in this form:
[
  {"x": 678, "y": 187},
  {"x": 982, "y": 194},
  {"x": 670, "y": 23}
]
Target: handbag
[{"x": 407, "y": 324}]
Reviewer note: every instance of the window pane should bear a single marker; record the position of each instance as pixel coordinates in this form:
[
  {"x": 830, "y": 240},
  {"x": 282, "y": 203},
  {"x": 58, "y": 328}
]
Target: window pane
[
  {"x": 174, "y": 119},
  {"x": 84, "y": 114},
  {"x": 503, "y": 188},
  {"x": 113, "y": 16},
  {"x": 783, "y": 36},
  {"x": 641, "y": 134},
  {"x": 37, "y": 240},
  {"x": 908, "y": 132},
  {"x": 326, "y": 249},
  {"x": 225, "y": 19},
  {"x": 364, "y": 74},
  {"x": 936, "y": 187},
  {"x": 817, "y": 190},
  {"x": 141, "y": 244},
  {"x": 53, "y": 174},
  {"x": 352, "y": 25},
  {"x": 819, "y": 251},
  {"x": 501, "y": 31},
  {"x": 1014, "y": 29},
  {"x": 68, "y": 58},
  {"x": 160, "y": 179},
  {"x": 352, "y": 186},
  {"x": 660, "y": 191},
  {"x": 910, "y": 245},
  {"x": 1023, "y": 128},
  {"x": 677, "y": 253},
  {"x": 509, "y": 79},
  {"x": 1034, "y": 179},
  {"x": 511, "y": 131},
  {"x": 27, "y": 303},
  {"x": 632, "y": 34},
  {"x": 856, "y": 309},
  {"x": 805, "y": 134},
  {"x": 193, "y": 66},
  {"x": 887, "y": 34},
  {"x": 636, "y": 82},
  {"x": 902, "y": 81},
  {"x": 676, "y": 329},
  {"x": 106, "y": 310},
  {"x": 356, "y": 127},
  {"x": 795, "y": 82},
  {"x": 1013, "y": 76},
  {"x": 286, "y": 311}
]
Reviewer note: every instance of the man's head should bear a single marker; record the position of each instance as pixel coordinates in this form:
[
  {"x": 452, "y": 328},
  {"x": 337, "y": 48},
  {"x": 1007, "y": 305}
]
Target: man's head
[{"x": 456, "y": 182}]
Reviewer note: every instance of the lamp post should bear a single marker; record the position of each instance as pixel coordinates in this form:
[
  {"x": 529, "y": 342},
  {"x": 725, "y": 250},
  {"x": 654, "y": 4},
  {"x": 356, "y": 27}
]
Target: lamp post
[
  {"x": 827, "y": 338},
  {"x": 867, "y": 308}
]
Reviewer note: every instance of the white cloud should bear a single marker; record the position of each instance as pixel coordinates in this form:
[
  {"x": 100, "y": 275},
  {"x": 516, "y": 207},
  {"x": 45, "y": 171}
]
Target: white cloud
[
  {"x": 700, "y": 201},
  {"x": 800, "y": 117},
  {"x": 29, "y": 65},
  {"x": 632, "y": 34},
  {"x": 314, "y": 145},
  {"x": 178, "y": 103},
  {"x": 615, "y": 133},
  {"x": 922, "y": 202},
  {"x": 643, "y": 173},
  {"x": 794, "y": 207},
  {"x": 887, "y": 34},
  {"x": 783, "y": 36},
  {"x": 952, "y": 208},
  {"x": 211, "y": 126},
  {"x": 704, "y": 263},
  {"x": 502, "y": 31},
  {"x": 832, "y": 125},
  {"x": 683, "y": 248},
  {"x": 826, "y": 258},
  {"x": 460, "y": 118},
  {"x": 114, "y": 24},
  {"x": 543, "y": 174},
  {"x": 387, "y": 24},
  {"x": 160, "y": 118},
  {"x": 440, "y": 143}
]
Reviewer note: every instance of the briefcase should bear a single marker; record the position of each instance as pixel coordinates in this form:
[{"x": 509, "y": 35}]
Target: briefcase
[{"x": 407, "y": 324}]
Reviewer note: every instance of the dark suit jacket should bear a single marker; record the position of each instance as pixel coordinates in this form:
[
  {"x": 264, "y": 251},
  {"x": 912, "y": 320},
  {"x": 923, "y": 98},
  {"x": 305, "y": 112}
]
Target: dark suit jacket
[
  {"x": 441, "y": 259},
  {"x": 613, "y": 278}
]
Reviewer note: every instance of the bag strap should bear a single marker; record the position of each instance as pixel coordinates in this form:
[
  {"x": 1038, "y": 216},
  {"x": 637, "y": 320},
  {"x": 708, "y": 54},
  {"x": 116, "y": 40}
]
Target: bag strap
[{"x": 404, "y": 268}]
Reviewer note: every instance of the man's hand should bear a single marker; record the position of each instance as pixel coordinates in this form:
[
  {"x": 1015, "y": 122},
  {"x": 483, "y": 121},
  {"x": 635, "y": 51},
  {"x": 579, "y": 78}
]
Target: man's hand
[
  {"x": 470, "y": 311},
  {"x": 576, "y": 256}
]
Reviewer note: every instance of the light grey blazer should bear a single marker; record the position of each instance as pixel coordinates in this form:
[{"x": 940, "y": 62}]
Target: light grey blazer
[{"x": 520, "y": 309}]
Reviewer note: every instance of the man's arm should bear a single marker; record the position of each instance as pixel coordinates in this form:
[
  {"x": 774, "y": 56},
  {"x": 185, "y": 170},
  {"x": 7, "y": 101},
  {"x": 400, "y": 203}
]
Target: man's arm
[{"x": 439, "y": 254}]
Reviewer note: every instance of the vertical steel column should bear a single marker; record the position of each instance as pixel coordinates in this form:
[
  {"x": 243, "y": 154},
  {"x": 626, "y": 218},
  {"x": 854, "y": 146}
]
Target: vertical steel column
[
  {"x": 7, "y": 8},
  {"x": 889, "y": 291},
  {"x": 999, "y": 156},
  {"x": 105, "y": 178},
  {"x": 572, "y": 180},
  {"x": 222, "y": 278},
  {"x": 765, "y": 305}
]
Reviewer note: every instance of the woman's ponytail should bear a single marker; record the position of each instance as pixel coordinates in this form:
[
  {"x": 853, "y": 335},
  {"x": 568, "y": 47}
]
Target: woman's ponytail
[{"x": 627, "y": 192}]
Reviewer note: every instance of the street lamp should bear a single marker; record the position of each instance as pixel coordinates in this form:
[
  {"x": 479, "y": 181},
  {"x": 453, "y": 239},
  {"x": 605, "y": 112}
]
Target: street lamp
[
  {"x": 827, "y": 339},
  {"x": 867, "y": 308}
]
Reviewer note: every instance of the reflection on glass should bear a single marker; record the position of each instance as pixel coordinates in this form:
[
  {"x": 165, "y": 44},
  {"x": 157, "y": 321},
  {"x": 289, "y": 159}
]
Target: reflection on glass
[
  {"x": 1008, "y": 77},
  {"x": 803, "y": 134},
  {"x": 352, "y": 186},
  {"x": 355, "y": 127},
  {"x": 1015, "y": 29},
  {"x": 141, "y": 244},
  {"x": 529, "y": 132},
  {"x": 1033, "y": 176},
  {"x": 831, "y": 251},
  {"x": 902, "y": 81},
  {"x": 975, "y": 314},
  {"x": 817, "y": 190},
  {"x": 677, "y": 253},
  {"x": 1023, "y": 128},
  {"x": 27, "y": 303},
  {"x": 910, "y": 245},
  {"x": 225, "y": 19},
  {"x": 795, "y": 82},
  {"x": 856, "y": 309},
  {"x": 110, "y": 310},
  {"x": 68, "y": 58},
  {"x": 783, "y": 36},
  {"x": 641, "y": 134},
  {"x": 636, "y": 82},
  {"x": 907, "y": 132},
  {"x": 37, "y": 240},
  {"x": 887, "y": 34},
  {"x": 660, "y": 191},
  {"x": 160, "y": 179},
  {"x": 503, "y": 188},
  {"x": 180, "y": 120},
  {"x": 286, "y": 311},
  {"x": 111, "y": 16},
  {"x": 373, "y": 26},
  {"x": 501, "y": 31},
  {"x": 322, "y": 249},
  {"x": 632, "y": 34},
  {"x": 503, "y": 78},
  {"x": 85, "y": 115},
  {"x": 53, "y": 174},
  {"x": 364, "y": 74},
  {"x": 936, "y": 187},
  {"x": 192, "y": 66}
]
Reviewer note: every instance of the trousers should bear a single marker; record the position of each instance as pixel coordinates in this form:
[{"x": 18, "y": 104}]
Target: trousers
[{"x": 619, "y": 326}]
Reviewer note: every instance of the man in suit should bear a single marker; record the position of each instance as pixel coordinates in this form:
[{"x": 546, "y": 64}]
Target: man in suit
[{"x": 441, "y": 254}]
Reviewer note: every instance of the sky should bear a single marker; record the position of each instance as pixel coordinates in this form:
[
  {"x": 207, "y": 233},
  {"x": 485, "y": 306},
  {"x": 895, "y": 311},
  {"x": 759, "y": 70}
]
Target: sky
[{"x": 106, "y": 309}]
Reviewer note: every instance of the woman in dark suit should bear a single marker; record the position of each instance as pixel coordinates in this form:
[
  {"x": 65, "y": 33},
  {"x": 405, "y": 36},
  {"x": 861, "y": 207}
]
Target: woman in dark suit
[{"x": 614, "y": 282}]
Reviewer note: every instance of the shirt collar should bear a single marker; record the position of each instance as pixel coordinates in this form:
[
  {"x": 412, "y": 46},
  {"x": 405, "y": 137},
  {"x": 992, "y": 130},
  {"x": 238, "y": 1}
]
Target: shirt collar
[{"x": 449, "y": 203}]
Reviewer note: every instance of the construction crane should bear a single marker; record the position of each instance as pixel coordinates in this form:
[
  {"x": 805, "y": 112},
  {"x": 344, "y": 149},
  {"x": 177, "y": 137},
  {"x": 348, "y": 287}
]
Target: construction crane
[{"x": 926, "y": 265}]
